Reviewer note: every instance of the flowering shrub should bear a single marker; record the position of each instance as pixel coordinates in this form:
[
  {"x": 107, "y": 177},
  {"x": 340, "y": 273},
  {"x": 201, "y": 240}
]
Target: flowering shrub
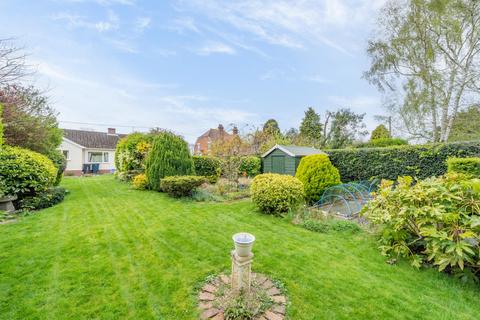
[
  {"x": 436, "y": 221},
  {"x": 140, "y": 181},
  {"x": 276, "y": 194}
]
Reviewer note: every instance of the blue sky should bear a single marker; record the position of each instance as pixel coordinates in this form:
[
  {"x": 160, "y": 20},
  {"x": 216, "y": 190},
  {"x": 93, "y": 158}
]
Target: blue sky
[{"x": 189, "y": 65}]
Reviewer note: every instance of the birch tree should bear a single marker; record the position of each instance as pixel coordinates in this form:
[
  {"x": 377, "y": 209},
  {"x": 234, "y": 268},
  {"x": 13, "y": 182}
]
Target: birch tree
[{"x": 427, "y": 52}]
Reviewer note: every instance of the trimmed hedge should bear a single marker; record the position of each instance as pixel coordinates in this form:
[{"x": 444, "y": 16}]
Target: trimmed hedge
[
  {"x": 250, "y": 166},
  {"x": 25, "y": 172},
  {"x": 317, "y": 173},
  {"x": 420, "y": 161},
  {"x": 181, "y": 186},
  {"x": 469, "y": 166},
  {"x": 276, "y": 194},
  {"x": 209, "y": 167},
  {"x": 169, "y": 156}
]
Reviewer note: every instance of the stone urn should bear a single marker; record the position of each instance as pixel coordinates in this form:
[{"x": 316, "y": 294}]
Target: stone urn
[
  {"x": 243, "y": 243},
  {"x": 6, "y": 203}
]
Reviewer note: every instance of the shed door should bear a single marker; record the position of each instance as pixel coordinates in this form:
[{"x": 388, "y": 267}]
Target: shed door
[{"x": 278, "y": 164}]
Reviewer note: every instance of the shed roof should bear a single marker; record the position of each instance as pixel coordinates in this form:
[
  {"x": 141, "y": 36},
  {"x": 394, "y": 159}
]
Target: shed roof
[
  {"x": 294, "y": 151},
  {"x": 92, "y": 139}
]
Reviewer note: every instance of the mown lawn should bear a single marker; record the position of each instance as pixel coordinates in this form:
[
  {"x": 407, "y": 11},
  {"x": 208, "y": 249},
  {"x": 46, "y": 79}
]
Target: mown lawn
[{"x": 109, "y": 252}]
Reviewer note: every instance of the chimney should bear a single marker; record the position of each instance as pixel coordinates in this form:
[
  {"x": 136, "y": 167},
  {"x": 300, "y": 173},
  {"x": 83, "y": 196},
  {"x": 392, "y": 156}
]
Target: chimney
[
  {"x": 235, "y": 130},
  {"x": 112, "y": 131},
  {"x": 220, "y": 128}
]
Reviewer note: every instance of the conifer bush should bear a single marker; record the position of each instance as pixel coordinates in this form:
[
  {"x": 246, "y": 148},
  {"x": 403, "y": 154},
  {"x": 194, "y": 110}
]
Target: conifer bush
[
  {"x": 169, "y": 156},
  {"x": 317, "y": 173}
]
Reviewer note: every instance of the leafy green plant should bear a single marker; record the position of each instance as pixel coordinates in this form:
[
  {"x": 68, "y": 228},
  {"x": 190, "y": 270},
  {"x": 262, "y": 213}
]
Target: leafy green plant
[
  {"x": 169, "y": 156},
  {"x": 468, "y": 166},
  {"x": 43, "y": 199},
  {"x": 380, "y": 132},
  {"x": 207, "y": 166},
  {"x": 132, "y": 151},
  {"x": 420, "y": 161},
  {"x": 25, "y": 172},
  {"x": 140, "y": 182},
  {"x": 317, "y": 173},
  {"x": 277, "y": 194},
  {"x": 181, "y": 186},
  {"x": 250, "y": 166},
  {"x": 436, "y": 221},
  {"x": 325, "y": 226},
  {"x": 60, "y": 163}
]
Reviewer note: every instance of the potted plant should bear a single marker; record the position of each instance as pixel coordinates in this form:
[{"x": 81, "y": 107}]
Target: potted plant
[
  {"x": 243, "y": 243},
  {"x": 6, "y": 200}
]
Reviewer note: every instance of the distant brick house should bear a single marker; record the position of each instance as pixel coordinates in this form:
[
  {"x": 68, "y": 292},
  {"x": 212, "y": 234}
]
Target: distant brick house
[{"x": 204, "y": 143}]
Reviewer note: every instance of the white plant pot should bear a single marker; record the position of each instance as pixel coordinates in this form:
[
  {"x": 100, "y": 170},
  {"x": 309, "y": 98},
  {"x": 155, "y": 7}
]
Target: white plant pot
[{"x": 243, "y": 243}]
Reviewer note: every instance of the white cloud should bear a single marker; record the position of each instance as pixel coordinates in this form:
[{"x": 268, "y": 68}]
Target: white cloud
[
  {"x": 293, "y": 24},
  {"x": 215, "y": 47},
  {"x": 142, "y": 23},
  {"x": 183, "y": 24},
  {"x": 77, "y": 21}
]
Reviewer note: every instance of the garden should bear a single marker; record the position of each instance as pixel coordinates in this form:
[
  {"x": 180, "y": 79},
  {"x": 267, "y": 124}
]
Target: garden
[{"x": 154, "y": 240}]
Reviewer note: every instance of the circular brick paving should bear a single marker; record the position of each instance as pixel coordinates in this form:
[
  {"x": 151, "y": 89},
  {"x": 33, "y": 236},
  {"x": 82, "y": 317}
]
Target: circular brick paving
[{"x": 209, "y": 295}]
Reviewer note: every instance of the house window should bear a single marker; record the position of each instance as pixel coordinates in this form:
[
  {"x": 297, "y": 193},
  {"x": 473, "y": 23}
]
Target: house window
[
  {"x": 66, "y": 154},
  {"x": 97, "y": 157}
]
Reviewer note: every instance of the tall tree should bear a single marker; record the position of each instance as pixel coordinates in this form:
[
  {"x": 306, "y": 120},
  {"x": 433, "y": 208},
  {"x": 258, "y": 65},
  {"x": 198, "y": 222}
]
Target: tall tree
[
  {"x": 426, "y": 52},
  {"x": 343, "y": 128},
  {"x": 466, "y": 125},
  {"x": 380, "y": 132},
  {"x": 271, "y": 127},
  {"x": 12, "y": 63},
  {"x": 28, "y": 119},
  {"x": 311, "y": 128}
]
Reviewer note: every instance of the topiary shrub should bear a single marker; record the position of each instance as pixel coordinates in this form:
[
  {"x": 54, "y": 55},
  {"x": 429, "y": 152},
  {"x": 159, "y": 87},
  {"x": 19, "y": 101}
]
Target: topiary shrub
[
  {"x": 250, "y": 166},
  {"x": 43, "y": 199},
  {"x": 316, "y": 173},
  {"x": 181, "y": 186},
  {"x": 25, "y": 172},
  {"x": 468, "y": 166},
  {"x": 169, "y": 156},
  {"x": 276, "y": 194},
  {"x": 209, "y": 167},
  {"x": 140, "y": 182}
]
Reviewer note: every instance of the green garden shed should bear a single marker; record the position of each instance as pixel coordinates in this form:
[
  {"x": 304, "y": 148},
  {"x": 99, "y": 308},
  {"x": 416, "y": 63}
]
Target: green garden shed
[{"x": 285, "y": 159}]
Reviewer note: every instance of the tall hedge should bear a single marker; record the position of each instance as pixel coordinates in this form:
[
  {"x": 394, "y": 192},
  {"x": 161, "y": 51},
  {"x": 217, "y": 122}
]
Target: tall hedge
[
  {"x": 250, "y": 166},
  {"x": 420, "y": 161},
  {"x": 207, "y": 166},
  {"x": 169, "y": 156}
]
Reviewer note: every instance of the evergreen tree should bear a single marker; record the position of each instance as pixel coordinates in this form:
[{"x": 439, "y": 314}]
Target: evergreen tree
[
  {"x": 169, "y": 156},
  {"x": 271, "y": 127},
  {"x": 311, "y": 128},
  {"x": 380, "y": 132}
]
